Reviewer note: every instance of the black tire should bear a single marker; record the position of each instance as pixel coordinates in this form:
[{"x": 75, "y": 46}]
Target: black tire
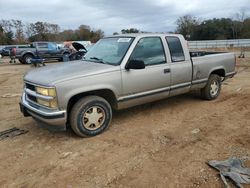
[
  {"x": 85, "y": 126},
  {"x": 65, "y": 57},
  {"x": 212, "y": 90},
  {"x": 27, "y": 58},
  {"x": 21, "y": 61}
]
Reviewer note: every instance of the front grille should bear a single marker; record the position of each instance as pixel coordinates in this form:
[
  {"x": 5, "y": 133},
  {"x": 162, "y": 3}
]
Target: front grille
[
  {"x": 29, "y": 86},
  {"x": 32, "y": 98}
]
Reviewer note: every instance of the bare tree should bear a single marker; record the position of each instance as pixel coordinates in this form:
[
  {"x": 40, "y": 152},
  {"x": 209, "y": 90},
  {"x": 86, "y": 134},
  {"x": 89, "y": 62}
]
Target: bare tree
[
  {"x": 19, "y": 31},
  {"x": 6, "y": 25},
  {"x": 186, "y": 24},
  {"x": 54, "y": 28},
  {"x": 238, "y": 22},
  {"x": 6, "y": 32}
]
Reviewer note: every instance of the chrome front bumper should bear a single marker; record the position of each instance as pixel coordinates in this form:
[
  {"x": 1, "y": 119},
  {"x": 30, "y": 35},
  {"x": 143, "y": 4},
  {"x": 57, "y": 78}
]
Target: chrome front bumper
[{"x": 51, "y": 117}]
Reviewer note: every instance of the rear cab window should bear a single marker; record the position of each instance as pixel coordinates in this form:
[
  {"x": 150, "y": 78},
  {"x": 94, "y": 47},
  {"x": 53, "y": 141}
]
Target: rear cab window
[{"x": 175, "y": 48}]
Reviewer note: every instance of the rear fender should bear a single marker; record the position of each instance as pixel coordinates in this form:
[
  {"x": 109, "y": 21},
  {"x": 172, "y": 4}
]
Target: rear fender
[{"x": 220, "y": 70}]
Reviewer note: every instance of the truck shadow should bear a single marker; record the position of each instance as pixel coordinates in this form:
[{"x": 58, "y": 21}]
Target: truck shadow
[{"x": 126, "y": 114}]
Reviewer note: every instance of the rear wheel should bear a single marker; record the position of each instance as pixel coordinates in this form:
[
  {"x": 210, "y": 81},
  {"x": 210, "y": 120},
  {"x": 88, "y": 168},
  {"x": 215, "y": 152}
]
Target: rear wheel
[
  {"x": 212, "y": 90},
  {"x": 27, "y": 58},
  {"x": 90, "y": 116}
]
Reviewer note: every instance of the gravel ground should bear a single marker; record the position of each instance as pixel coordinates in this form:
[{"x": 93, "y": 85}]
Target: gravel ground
[{"x": 162, "y": 144}]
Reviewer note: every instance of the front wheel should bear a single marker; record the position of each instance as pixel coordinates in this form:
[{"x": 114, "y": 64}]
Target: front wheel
[
  {"x": 90, "y": 116},
  {"x": 212, "y": 90},
  {"x": 65, "y": 57}
]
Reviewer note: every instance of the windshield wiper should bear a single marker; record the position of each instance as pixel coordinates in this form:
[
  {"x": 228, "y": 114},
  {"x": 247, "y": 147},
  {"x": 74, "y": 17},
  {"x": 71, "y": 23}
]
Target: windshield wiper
[{"x": 98, "y": 59}]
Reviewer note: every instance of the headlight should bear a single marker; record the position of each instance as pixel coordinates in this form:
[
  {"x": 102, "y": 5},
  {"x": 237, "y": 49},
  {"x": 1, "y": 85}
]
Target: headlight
[
  {"x": 52, "y": 103},
  {"x": 46, "y": 91}
]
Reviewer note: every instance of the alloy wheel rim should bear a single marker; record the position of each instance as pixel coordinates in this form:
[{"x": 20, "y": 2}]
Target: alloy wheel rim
[
  {"x": 214, "y": 88},
  {"x": 28, "y": 60}
]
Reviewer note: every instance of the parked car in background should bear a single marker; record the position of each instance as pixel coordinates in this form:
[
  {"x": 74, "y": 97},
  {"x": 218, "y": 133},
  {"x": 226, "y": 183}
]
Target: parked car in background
[
  {"x": 1, "y": 49},
  {"x": 6, "y": 50},
  {"x": 45, "y": 50}
]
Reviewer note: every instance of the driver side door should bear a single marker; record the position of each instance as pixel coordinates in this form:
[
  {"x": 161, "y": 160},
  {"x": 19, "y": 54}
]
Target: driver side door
[{"x": 154, "y": 79}]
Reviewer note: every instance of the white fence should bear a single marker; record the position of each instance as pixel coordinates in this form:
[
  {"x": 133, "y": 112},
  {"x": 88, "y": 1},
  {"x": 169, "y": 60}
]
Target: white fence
[{"x": 238, "y": 43}]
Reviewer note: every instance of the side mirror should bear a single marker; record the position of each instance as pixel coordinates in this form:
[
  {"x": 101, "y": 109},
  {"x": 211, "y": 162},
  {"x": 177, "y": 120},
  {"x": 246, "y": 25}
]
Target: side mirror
[{"x": 135, "y": 64}]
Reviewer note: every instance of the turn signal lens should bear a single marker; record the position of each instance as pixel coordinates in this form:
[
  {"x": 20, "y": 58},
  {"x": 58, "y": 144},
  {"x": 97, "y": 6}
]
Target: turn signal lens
[{"x": 50, "y": 103}]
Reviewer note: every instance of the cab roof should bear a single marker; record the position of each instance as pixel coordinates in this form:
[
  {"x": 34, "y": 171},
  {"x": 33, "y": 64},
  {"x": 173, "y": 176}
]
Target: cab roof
[{"x": 144, "y": 35}]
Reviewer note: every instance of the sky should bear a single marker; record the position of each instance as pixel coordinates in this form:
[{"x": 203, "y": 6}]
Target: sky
[{"x": 114, "y": 15}]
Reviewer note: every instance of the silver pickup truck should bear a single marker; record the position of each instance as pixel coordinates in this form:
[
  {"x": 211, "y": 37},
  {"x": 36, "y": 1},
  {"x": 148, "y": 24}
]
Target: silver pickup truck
[{"x": 120, "y": 72}]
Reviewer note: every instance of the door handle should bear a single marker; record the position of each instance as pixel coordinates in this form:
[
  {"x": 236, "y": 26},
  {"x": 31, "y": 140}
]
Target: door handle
[{"x": 166, "y": 71}]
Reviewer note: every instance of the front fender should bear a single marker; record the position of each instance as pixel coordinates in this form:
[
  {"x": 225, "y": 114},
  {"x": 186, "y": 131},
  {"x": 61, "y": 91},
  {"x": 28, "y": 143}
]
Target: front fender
[
  {"x": 83, "y": 90},
  {"x": 66, "y": 90}
]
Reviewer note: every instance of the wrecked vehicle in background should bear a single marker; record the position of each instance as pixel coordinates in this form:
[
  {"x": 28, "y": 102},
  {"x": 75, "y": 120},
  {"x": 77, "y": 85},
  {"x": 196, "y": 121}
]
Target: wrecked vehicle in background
[{"x": 80, "y": 51}]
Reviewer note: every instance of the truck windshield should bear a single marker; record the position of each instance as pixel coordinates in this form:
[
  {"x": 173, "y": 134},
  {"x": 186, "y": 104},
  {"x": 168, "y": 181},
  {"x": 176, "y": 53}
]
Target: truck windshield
[{"x": 109, "y": 50}]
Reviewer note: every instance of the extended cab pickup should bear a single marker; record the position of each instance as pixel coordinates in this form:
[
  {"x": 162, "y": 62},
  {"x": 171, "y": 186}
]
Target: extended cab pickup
[
  {"x": 46, "y": 50},
  {"x": 120, "y": 72}
]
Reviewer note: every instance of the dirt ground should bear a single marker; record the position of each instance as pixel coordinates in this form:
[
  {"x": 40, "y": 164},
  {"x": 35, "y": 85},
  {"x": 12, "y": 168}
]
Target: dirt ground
[{"x": 163, "y": 144}]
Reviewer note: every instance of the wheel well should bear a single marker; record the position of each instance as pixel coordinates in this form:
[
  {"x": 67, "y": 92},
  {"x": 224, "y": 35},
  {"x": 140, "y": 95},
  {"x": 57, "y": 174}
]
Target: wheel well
[
  {"x": 105, "y": 93},
  {"x": 27, "y": 54},
  {"x": 66, "y": 52},
  {"x": 220, "y": 72}
]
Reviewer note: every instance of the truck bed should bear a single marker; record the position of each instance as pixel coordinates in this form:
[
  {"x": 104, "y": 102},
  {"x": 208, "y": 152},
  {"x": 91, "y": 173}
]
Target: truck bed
[
  {"x": 203, "y": 60},
  {"x": 203, "y": 53}
]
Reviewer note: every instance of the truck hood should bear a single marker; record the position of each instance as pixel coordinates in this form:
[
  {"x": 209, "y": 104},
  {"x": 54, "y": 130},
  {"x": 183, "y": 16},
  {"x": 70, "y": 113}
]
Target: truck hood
[
  {"x": 78, "y": 46},
  {"x": 52, "y": 74}
]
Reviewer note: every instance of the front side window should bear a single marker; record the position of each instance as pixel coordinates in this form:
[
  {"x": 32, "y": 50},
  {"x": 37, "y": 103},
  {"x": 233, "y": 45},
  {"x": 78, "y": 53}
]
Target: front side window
[
  {"x": 109, "y": 50},
  {"x": 52, "y": 46},
  {"x": 175, "y": 49},
  {"x": 149, "y": 50}
]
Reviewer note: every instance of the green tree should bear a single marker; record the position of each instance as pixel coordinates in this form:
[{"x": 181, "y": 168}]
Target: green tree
[
  {"x": 6, "y": 33},
  {"x": 2, "y": 35},
  {"x": 213, "y": 29}
]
